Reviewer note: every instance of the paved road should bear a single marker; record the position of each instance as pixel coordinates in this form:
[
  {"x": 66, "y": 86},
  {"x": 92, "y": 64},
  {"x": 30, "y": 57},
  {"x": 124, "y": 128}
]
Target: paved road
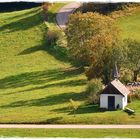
[
  {"x": 69, "y": 126},
  {"x": 63, "y": 14}
]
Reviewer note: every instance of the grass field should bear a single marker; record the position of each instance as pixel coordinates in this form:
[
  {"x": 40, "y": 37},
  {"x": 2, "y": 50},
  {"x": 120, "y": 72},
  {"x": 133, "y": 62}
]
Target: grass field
[
  {"x": 73, "y": 133},
  {"x": 36, "y": 81},
  {"x": 130, "y": 25}
]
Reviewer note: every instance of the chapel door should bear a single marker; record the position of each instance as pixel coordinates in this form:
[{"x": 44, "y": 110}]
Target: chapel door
[{"x": 111, "y": 102}]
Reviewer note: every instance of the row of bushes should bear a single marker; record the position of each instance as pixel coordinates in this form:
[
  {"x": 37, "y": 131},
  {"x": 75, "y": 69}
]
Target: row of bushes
[{"x": 106, "y": 8}]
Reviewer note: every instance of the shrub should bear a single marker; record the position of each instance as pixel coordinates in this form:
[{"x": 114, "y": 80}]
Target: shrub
[
  {"x": 129, "y": 99},
  {"x": 52, "y": 36},
  {"x": 45, "y": 8},
  {"x": 137, "y": 91},
  {"x": 125, "y": 75},
  {"x": 93, "y": 89},
  {"x": 134, "y": 96},
  {"x": 62, "y": 41},
  {"x": 46, "y": 5},
  {"x": 94, "y": 86},
  {"x": 126, "y": 78},
  {"x": 93, "y": 99},
  {"x": 73, "y": 106}
]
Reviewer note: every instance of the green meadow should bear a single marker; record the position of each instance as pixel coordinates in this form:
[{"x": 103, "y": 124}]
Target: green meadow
[
  {"x": 130, "y": 25},
  {"x": 71, "y": 133},
  {"x": 37, "y": 80}
]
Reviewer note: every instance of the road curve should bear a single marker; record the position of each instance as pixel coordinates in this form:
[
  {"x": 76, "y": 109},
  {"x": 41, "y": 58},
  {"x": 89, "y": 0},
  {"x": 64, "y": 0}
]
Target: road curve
[
  {"x": 63, "y": 14},
  {"x": 70, "y": 126}
]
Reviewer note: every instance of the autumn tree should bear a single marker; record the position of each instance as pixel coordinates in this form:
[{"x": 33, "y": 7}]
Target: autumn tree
[
  {"x": 89, "y": 35},
  {"x": 92, "y": 39},
  {"x": 45, "y": 7}
]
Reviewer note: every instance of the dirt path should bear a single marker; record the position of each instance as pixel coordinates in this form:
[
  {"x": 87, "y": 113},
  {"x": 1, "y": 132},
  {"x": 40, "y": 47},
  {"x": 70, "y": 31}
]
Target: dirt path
[
  {"x": 71, "y": 126},
  {"x": 63, "y": 14}
]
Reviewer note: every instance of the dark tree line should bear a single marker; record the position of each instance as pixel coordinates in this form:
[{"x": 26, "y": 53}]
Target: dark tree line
[
  {"x": 15, "y": 6},
  {"x": 105, "y": 8}
]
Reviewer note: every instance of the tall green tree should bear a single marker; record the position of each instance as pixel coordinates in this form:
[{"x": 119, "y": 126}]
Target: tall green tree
[{"x": 133, "y": 62}]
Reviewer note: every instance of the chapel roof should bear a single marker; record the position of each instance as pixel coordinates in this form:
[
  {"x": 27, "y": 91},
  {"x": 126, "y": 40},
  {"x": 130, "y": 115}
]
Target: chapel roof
[{"x": 122, "y": 89}]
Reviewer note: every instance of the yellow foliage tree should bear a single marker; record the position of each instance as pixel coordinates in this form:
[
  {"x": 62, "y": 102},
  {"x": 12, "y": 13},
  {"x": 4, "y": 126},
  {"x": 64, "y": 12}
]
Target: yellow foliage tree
[{"x": 92, "y": 39}]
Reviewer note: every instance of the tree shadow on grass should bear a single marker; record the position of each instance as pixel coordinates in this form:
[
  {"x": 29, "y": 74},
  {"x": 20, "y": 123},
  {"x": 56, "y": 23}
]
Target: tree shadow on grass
[
  {"x": 40, "y": 77},
  {"x": 81, "y": 110},
  {"x": 54, "y": 50},
  {"x": 88, "y": 109},
  {"x": 24, "y": 23},
  {"x": 62, "y": 84},
  {"x": 46, "y": 101},
  {"x": 41, "y": 47},
  {"x": 52, "y": 120},
  {"x": 23, "y": 15},
  {"x": 60, "y": 53}
]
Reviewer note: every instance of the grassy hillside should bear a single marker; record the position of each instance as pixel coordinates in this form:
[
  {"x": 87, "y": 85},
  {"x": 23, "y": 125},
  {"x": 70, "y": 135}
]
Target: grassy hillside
[
  {"x": 33, "y": 80},
  {"x": 130, "y": 25},
  {"x": 36, "y": 82}
]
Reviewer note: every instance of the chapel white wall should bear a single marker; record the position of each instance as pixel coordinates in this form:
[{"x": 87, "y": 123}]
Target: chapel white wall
[
  {"x": 124, "y": 101},
  {"x": 119, "y": 99}
]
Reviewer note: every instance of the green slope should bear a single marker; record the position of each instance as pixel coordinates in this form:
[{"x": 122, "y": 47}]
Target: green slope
[
  {"x": 130, "y": 25},
  {"x": 32, "y": 77}
]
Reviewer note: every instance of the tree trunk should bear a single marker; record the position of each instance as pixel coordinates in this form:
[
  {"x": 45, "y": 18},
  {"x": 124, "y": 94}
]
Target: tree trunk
[{"x": 135, "y": 76}]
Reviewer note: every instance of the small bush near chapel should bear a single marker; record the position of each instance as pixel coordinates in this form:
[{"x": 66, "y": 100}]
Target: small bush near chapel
[
  {"x": 93, "y": 90},
  {"x": 73, "y": 106},
  {"x": 134, "y": 96},
  {"x": 52, "y": 37}
]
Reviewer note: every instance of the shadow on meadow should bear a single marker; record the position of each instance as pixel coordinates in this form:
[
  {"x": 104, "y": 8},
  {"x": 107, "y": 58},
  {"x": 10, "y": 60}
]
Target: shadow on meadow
[
  {"x": 41, "y": 47},
  {"x": 58, "y": 84},
  {"x": 29, "y": 21},
  {"x": 94, "y": 108},
  {"x": 52, "y": 120},
  {"x": 47, "y": 101},
  {"x": 42, "y": 77},
  {"x": 53, "y": 50},
  {"x": 81, "y": 109},
  {"x": 22, "y": 15}
]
